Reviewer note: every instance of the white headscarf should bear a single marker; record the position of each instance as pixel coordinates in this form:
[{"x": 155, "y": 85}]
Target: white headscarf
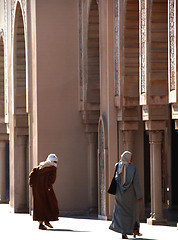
[
  {"x": 123, "y": 163},
  {"x": 51, "y": 160}
]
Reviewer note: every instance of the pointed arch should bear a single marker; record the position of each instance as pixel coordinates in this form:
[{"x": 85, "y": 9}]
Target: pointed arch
[
  {"x": 19, "y": 63},
  {"x": 93, "y": 83},
  {"x": 20, "y": 139}
]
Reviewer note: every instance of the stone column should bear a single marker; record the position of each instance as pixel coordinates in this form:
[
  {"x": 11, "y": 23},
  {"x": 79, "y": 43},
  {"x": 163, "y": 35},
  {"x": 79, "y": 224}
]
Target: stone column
[
  {"x": 92, "y": 171},
  {"x": 128, "y": 140},
  {"x": 155, "y": 138},
  {"x": 3, "y": 171}
]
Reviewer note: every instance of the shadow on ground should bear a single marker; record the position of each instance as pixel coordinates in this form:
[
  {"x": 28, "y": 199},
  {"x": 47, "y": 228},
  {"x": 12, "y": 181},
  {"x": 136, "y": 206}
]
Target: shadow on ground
[
  {"x": 143, "y": 238},
  {"x": 64, "y": 230}
]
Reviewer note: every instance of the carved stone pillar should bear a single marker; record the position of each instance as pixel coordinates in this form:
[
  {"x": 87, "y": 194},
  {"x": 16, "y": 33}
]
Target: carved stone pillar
[
  {"x": 3, "y": 171},
  {"x": 155, "y": 138},
  {"x": 128, "y": 140},
  {"x": 92, "y": 171}
]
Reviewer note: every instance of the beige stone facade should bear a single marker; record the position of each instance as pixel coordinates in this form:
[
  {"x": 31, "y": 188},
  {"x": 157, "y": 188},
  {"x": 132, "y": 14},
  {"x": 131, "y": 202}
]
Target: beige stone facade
[{"x": 88, "y": 79}]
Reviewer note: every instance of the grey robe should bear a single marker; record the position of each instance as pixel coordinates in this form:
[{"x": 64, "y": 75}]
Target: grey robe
[{"x": 126, "y": 212}]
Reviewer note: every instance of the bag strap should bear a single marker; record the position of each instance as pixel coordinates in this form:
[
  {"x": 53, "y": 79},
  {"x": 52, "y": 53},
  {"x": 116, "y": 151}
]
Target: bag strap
[{"x": 116, "y": 169}]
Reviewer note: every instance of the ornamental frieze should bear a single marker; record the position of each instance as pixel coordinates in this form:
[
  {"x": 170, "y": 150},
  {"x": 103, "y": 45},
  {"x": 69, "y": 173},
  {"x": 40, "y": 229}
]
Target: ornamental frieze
[
  {"x": 172, "y": 44},
  {"x": 6, "y": 84},
  {"x": 143, "y": 45},
  {"x": 81, "y": 50},
  {"x": 117, "y": 47}
]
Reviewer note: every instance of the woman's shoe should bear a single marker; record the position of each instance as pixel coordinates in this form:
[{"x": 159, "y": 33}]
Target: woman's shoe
[
  {"x": 124, "y": 236},
  {"x": 48, "y": 224},
  {"x": 137, "y": 234},
  {"x": 42, "y": 227}
]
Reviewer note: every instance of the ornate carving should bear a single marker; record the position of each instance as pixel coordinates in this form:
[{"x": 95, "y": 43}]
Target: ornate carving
[
  {"x": 117, "y": 47},
  {"x": 102, "y": 166},
  {"x": 172, "y": 44},
  {"x": 143, "y": 45},
  {"x": 6, "y": 94},
  {"x": 80, "y": 50}
]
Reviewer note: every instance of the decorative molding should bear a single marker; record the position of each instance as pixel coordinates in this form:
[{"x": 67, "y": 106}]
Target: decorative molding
[
  {"x": 117, "y": 81},
  {"x": 102, "y": 161},
  {"x": 143, "y": 46},
  {"x": 172, "y": 45},
  {"x": 84, "y": 8},
  {"x": 6, "y": 83},
  {"x": 80, "y": 23}
]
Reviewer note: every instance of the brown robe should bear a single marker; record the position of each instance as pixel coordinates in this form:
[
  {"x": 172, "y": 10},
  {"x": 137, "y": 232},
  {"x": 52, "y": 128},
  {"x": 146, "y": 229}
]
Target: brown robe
[{"x": 45, "y": 205}]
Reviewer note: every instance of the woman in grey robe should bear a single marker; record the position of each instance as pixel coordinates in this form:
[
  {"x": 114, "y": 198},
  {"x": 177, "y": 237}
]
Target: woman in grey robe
[{"x": 126, "y": 213}]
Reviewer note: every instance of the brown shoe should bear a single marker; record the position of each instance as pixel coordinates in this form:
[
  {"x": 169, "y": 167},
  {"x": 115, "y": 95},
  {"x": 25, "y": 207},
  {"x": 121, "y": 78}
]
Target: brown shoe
[
  {"x": 42, "y": 227},
  {"x": 48, "y": 224},
  {"x": 137, "y": 234}
]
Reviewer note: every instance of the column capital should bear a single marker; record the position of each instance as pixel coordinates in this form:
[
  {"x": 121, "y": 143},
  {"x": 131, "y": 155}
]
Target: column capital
[
  {"x": 92, "y": 137},
  {"x": 155, "y": 137},
  {"x": 128, "y": 125},
  {"x": 155, "y": 125},
  {"x": 128, "y": 139},
  {"x": 128, "y": 135}
]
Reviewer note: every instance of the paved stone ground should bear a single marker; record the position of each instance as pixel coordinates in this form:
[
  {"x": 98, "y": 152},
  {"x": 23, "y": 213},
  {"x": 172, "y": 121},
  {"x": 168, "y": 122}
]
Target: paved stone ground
[{"x": 21, "y": 226}]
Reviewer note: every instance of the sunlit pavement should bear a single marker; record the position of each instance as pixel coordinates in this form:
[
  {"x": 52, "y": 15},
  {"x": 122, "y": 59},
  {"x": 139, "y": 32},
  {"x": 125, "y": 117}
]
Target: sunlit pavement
[{"x": 21, "y": 226}]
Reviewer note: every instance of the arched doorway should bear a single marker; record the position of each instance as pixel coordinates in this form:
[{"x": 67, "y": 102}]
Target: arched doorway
[
  {"x": 92, "y": 101},
  {"x": 20, "y": 116}
]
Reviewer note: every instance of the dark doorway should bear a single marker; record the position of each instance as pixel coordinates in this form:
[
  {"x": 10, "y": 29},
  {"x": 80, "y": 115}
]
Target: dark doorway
[
  {"x": 147, "y": 169},
  {"x": 7, "y": 172},
  {"x": 174, "y": 173}
]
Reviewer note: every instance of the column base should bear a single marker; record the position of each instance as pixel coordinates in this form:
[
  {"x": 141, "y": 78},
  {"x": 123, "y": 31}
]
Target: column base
[
  {"x": 102, "y": 217},
  {"x": 153, "y": 221},
  {"x": 93, "y": 211},
  {"x": 4, "y": 201}
]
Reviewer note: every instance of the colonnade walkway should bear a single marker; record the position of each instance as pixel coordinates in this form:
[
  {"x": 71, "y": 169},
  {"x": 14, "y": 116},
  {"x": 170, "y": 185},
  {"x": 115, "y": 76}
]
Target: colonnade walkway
[{"x": 20, "y": 226}]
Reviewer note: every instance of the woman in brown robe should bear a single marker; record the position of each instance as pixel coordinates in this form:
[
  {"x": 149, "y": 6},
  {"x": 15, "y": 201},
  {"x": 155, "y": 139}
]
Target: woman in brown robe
[{"x": 41, "y": 179}]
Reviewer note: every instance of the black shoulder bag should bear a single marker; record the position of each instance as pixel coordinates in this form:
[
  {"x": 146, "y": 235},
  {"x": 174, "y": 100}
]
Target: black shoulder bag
[{"x": 113, "y": 185}]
